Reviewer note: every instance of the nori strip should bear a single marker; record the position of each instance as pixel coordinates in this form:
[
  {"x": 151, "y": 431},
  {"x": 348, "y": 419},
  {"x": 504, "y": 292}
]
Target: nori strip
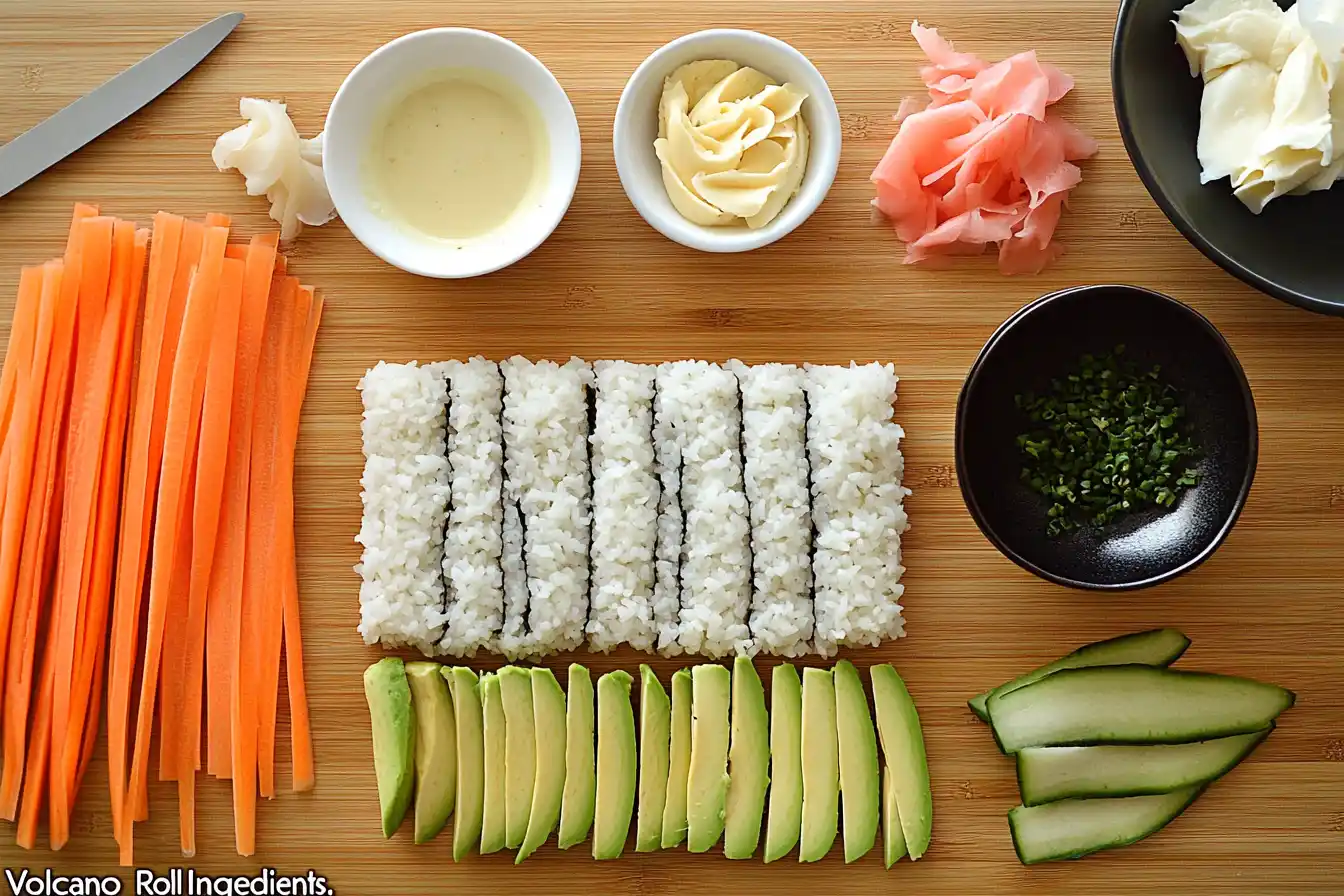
[
  {"x": 811, "y": 506},
  {"x": 590, "y": 398},
  {"x": 746, "y": 498},
  {"x": 503, "y": 473},
  {"x": 448, "y": 510},
  {"x": 522, "y": 554}
]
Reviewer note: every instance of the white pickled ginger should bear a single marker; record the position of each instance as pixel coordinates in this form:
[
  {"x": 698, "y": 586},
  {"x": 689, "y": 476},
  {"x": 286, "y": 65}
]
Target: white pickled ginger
[{"x": 275, "y": 161}]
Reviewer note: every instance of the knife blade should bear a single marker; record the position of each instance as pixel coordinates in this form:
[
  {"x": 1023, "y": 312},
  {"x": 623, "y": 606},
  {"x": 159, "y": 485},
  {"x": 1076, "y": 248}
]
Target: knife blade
[{"x": 37, "y": 149}]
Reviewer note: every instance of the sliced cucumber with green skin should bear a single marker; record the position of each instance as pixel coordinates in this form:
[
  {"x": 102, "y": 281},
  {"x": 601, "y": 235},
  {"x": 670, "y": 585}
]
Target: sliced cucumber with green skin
[
  {"x": 1071, "y": 829},
  {"x": 1132, "y": 705},
  {"x": 1046, "y": 774},
  {"x": 1159, "y": 647}
]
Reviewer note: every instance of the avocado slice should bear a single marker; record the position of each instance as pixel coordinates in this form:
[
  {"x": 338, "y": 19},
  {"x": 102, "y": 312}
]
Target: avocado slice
[
  {"x": 576, "y": 807},
  {"x": 893, "y": 838},
  {"x": 821, "y": 766},
  {"x": 615, "y": 765},
  {"x": 520, "y": 752},
  {"x": 548, "y": 714},
  {"x": 903, "y": 749},
  {"x": 707, "y": 785},
  {"x": 655, "y": 718},
  {"x": 392, "y": 717},
  {"x": 470, "y": 800},
  {"x": 748, "y": 763},
  {"x": 785, "y": 817},
  {"x": 857, "y": 743},
  {"x": 435, "y": 749},
  {"x": 679, "y": 760},
  {"x": 492, "y": 710}
]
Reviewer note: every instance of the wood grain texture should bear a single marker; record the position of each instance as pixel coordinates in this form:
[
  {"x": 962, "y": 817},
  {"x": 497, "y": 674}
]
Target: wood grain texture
[{"x": 606, "y": 285}]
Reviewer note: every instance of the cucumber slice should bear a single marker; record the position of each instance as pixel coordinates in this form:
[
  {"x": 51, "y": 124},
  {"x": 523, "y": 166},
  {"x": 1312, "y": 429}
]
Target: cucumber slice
[
  {"x": 1159, "y": 647},
  {"x": 1071, "y": 829},
  {"x": 1132, "y": 705},
  {"x": 1046, "y": 774}
]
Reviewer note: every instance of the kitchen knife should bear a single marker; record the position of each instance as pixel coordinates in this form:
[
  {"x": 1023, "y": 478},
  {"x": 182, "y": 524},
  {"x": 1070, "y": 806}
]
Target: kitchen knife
[{"x": 36, "y": 150}]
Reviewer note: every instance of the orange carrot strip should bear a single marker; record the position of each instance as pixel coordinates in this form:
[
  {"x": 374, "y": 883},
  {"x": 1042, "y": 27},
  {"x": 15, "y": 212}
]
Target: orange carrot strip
[
  {"x": 140, "y": 485},
  {"x": 95, "y": 347},
  {"x": 281, "y": 264},
  {"x": 264, "y": 532},
  {"x": 259, "y": 572},
  {"x": 87, "y": 697},
  {"x": 48, "y": 375},
  {"x": 236, "y": 251},
  {"x": 226, "y": 580},
  {"x": 171, "y": 692},
  {"x": 211, "y": 461},
  {"x": 181, "y": 431},
  {"x": 300, "y": 731},
  {"x": 41, "y": 535},
  {"x": 27, "y": 386},
  {"x": 39, "y": 746},
  {"x": 112, "y": 379}
]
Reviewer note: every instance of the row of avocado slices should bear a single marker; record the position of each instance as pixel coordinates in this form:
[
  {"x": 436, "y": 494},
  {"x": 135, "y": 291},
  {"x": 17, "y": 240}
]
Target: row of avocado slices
[
  {"x": 1111, "y": 745},
  {"x": 511, "y": 757}
]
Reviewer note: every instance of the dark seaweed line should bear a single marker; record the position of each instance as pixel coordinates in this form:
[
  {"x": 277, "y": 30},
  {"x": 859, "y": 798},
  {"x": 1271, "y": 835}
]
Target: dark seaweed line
[
  {"x": 448, "y": 510},
  {"x": 503, "y": 467},
  {"x": 746, "y": 498},
  {"x": 522, "y": 555},
  {"x": 811, "y": 508},
  {"x": 657, "y": 490},
  {"x": 590, "y": 399}
]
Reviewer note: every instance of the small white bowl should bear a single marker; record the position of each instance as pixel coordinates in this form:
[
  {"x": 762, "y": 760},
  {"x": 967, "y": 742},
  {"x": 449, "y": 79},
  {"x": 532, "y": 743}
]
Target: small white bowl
[
  {"x": 377, "y": 81},
  {"x": 637, "y": 127}
]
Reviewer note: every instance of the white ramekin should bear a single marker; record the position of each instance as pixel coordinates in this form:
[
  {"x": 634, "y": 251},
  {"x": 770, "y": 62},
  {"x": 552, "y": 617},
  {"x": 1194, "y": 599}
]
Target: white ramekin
[
  {"x": 378, "y": 81},
  {"x": 637, "y": 127}
]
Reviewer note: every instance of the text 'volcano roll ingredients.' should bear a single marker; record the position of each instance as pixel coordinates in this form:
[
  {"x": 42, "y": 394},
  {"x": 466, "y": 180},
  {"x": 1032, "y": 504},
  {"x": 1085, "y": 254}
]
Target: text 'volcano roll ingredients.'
[{"x": 1106, "y": 440}]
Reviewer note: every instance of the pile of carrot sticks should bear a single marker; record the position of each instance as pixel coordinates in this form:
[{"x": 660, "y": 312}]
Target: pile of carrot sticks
[{"x": 149, "y": 410}]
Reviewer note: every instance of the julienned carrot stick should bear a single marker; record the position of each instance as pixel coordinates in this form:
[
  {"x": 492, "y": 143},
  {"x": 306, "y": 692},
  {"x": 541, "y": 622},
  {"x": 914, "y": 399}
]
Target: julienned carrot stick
[
  {"x": 41, "y": 536},
  {"x": 181, "y": 431},
  {"x": 27, "y": 407},
  {"x": 211, "y": 460},
  {"x": 47, "y": 375},
  {"x": 87, "y": 697},
  {"x": 287, "y": 316},
  {"x": 39, "y": 747},
  {"x": 140, "y": 485},
  {"x": 223, "y": 606},
  {"x": 296, "y": 381},
  {"x": 175, "y": 641},
  {"x": 96, "y": 355},
  {"x": 259, "y": 571}
]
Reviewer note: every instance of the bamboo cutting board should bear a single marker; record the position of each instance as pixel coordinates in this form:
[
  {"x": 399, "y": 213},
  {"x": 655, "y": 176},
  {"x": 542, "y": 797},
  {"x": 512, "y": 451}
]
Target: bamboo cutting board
[{"x": 606, "y": 285}]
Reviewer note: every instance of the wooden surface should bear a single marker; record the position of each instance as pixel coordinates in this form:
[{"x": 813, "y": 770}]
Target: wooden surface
[{"x": 606, "y": 285}]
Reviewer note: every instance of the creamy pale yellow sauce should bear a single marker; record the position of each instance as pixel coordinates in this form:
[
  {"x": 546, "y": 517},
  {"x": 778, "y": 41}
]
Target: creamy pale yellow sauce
[{"x": 458, "y": 156}]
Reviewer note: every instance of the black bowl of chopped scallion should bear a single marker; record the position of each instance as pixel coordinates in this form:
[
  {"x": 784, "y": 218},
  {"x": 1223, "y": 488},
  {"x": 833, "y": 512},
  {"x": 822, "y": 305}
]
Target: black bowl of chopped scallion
[{"x": 1106, "y": 438}]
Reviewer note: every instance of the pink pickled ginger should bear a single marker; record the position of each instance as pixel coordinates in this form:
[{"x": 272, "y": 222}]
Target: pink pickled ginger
[{"x": 984, "y": 162}]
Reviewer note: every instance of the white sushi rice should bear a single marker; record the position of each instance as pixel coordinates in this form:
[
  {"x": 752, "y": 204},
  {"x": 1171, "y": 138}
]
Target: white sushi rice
[
  {"x": 857, "y": 505},
  {"x": 474, "y": 539},
  {"x": 546, "y": 476},
  {"x": 730, "y": 509},
  {"x": 625, "y": 507},
  {"x": 666, "y": 621},
  {"x": 405, "y": 494},
  {"x": 774, "y": 432},
  {"x": 701, "y": 404}
]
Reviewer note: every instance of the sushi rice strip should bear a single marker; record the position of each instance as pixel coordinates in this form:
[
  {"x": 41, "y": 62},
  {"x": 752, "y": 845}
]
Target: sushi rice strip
[
  {"x": 671, "y": 523},
  {"x": 474, "y": 539},
  {"x": 857, "y": 508},
  {"x": 405, "y": 496},
  {"x": 774, "y": 431},
  {"x": 546, "y": 478},
  {"x": 701, "y": 401},
  {"x": 625, "y": 507}
]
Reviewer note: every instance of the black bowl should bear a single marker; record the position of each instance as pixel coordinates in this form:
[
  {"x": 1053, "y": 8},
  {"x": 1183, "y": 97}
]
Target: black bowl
[
  {"x": 1045, "y": 340},
  {"x": 1291, "y": 250}
]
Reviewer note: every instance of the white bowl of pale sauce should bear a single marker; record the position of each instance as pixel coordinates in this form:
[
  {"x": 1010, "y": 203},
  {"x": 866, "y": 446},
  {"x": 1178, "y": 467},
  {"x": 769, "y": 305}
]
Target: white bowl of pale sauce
[{"x": 451, "y": 152}]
